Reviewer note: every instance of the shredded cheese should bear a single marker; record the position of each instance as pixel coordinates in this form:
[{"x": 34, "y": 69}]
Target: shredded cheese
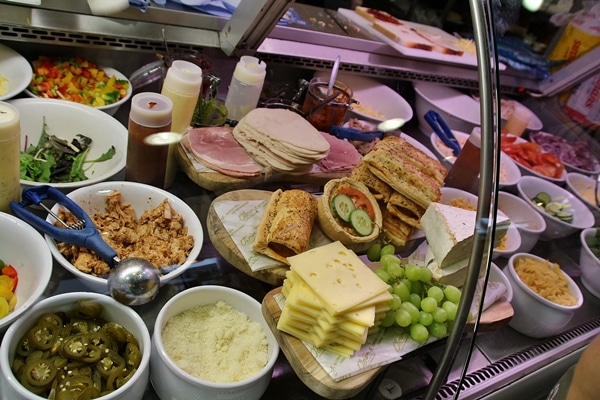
[{"x": 216, "y": 343}]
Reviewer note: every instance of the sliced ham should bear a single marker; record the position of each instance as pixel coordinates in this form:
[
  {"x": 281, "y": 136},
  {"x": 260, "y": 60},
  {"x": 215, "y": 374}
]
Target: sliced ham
[
  {"x": 216, "y": 148},
  {"x": 342, "y": 155}
]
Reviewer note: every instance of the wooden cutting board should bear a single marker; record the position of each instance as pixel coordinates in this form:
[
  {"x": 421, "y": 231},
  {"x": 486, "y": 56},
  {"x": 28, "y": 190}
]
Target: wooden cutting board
[
  {"x": 318, "y": 380},
  {"x": 304, "y": 364},
  {"x": 217, "y": 182},
  {"x": 223, "y": 243}
]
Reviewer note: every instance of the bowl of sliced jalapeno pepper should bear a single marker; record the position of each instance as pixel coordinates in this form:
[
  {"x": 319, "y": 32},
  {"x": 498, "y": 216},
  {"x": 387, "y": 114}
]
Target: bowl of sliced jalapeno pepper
[{"x": 76, "y": 345}]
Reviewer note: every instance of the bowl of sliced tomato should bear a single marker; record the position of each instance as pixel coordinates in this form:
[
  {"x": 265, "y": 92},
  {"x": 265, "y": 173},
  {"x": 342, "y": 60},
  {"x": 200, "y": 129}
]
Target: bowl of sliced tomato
[
  {"x": 79, "y": 80},
  {"x": 533, "y": 160}
]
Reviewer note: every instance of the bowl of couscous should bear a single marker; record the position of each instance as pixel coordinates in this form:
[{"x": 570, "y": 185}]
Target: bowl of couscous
[{"x": 210, "y": 340}]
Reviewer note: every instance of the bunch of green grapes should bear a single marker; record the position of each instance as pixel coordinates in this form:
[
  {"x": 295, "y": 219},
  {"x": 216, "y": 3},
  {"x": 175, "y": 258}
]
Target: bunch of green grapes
[{"x": 418, "y": 304}]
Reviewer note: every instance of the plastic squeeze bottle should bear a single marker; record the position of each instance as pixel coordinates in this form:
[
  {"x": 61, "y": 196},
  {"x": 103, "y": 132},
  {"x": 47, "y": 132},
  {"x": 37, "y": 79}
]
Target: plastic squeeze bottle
[
  {"x": 245, "y": 87},
  {"x": 10, "y": 141},
  {"x": 150, "y": 113},
  {"x": 182, "y": 85}
]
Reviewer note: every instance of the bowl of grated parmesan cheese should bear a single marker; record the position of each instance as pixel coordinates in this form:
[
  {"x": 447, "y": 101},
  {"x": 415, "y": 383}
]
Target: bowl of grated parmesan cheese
[{"x": 209, "y": 340}]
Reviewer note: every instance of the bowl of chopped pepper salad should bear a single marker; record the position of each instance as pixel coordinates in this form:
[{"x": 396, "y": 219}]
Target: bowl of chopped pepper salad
[
  {"x": 80, "y": 81},
  {"x": 68, "y": 145}
]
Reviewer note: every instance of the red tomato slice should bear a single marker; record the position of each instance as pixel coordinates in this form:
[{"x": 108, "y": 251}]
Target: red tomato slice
[{"x": 360, "y": 200}]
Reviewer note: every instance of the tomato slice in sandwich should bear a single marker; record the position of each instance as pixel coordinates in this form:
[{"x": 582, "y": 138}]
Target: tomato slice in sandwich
[{"x": 359, "y": 198}]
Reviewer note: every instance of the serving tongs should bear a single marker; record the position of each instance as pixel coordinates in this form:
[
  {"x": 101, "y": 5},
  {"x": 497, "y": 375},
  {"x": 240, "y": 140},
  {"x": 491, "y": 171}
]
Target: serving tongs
[
  {"x": 83, "y": 233},
  {"x": 443, "y": 131}
]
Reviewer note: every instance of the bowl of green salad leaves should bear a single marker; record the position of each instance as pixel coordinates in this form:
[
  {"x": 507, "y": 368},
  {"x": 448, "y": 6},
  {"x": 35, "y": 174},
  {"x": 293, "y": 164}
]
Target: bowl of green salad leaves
[{"x": 68, "y": 145}]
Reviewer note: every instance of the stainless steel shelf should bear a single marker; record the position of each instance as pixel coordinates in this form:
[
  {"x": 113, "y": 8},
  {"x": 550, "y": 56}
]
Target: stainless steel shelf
[{"x": 68, "y": 23}]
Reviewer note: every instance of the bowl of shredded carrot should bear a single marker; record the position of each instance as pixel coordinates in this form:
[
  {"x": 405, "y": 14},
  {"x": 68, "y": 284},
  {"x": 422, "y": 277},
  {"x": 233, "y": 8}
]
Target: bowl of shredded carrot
[
  {"x": 79, "y": 80},
  {"x": 544, "y": 296}
]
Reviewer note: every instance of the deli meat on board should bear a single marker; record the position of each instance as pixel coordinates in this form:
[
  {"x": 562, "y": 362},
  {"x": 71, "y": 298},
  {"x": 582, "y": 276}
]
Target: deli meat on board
[
  {"x": 216, "y": 148},
  {"x": 342, "y": 155}
]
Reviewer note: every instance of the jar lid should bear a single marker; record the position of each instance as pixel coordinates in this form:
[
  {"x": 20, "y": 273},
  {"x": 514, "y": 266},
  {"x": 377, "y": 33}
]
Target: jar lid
[
  {"x": 250, "y": 70},
  {"x": 151, "y": 109},
  {"x": 9, "y": 120}
]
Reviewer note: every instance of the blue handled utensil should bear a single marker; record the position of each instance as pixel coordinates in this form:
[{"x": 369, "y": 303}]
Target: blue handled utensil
[
  {"x": 83, "y": 233},
  {"x": 355, "y": 134},
  {"x": 133, "y": 281},
  {"x": 443, "y": 131}
]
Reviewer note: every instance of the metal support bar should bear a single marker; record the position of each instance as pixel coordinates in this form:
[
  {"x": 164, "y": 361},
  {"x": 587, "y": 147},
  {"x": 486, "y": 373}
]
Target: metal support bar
[
  {"x": 247, "y": 28},
  {"x": 481, "y": 252}
]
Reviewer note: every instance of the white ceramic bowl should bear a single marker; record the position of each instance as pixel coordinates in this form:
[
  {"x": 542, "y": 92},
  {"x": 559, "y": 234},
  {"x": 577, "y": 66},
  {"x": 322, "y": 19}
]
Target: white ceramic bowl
[
  {"x": 25, "y": 249},
  {"x": 534, "y": 315},
  {"x": 110, "y": 109},
  {"x": 17, "y": 71},
  {"x": 66, "y": 119},
  {"x": 374, "y": 95},
  {"x": 513, "y": 239},
  {"x": 509, "y": 171},
  {"x": 172, "y": 382},
  {"x": 459, "y": 110},
  {"x": 589, "y": 263},
  {"x": 530, "y": 224},
  {"x": 530, "y": 186},
  {"x": 134, "y": 389},
  {"x": 496, "y": 275},
  {"x": 141, "y": 197},
  {"x": 530, "y": 172},
  {"x": 583, "y": 186},
  {"x": 511, "y": 244}
]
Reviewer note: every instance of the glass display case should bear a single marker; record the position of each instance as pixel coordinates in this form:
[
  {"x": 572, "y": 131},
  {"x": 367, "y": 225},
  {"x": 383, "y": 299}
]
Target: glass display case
[{"x": 471, "y": 363}]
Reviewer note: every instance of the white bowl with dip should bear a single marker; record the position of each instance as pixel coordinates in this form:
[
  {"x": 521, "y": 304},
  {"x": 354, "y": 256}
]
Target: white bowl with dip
[
  {"x": 583, "y": 187},
  {"x": 171, "y": 381}
]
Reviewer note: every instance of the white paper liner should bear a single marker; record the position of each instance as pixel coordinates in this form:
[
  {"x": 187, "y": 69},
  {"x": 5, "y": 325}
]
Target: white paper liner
[
  {"x": 382, "y": 348},
  {"x": 241, "y": 218}
]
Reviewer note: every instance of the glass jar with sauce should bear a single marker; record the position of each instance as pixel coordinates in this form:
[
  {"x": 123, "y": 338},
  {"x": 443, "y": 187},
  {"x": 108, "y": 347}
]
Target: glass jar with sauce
[
  {"x": 150, "y": 113},
  {"x": 10, "y": 141},
  {"x": 329, "y": 114}
]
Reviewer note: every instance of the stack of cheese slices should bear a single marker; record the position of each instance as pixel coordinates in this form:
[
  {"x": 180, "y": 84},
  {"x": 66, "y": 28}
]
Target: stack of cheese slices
[
  {"x": 404, "y": 180},
  {"x": 449, "y": 232},
  {"x": 332, "y": 299},
  {"x": 281, "y": 140}
]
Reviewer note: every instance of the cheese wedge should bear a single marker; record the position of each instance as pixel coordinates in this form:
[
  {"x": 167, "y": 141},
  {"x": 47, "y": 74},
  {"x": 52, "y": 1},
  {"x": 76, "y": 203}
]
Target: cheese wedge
[
  {"x": 454, "y": 274},
  {"x": 449, "y": 232}
]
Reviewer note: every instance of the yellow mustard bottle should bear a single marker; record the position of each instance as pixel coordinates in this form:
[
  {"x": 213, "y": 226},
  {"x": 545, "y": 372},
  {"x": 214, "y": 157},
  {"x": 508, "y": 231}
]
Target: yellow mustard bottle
[{"x": 10, "y": 141}]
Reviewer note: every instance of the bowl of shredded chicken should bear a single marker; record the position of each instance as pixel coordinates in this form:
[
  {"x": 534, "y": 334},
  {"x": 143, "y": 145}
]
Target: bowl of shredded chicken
[{"x": 136, "y": 220}]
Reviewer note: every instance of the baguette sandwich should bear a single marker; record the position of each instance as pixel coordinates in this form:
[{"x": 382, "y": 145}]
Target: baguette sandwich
[{"x": 286, "y": 225}]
